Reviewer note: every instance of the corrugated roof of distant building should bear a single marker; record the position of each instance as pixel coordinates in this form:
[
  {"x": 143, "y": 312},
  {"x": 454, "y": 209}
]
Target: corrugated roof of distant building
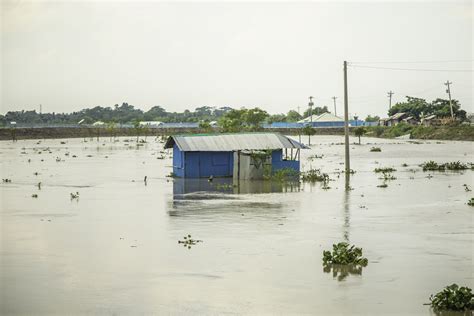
[{"x": 232, "y": 142}]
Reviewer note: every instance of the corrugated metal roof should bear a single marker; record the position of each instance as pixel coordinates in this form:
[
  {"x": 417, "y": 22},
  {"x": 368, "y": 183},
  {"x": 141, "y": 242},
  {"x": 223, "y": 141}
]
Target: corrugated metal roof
[
  {"x": 325, "y": 117},
  {"x": 231, "y": 142}
]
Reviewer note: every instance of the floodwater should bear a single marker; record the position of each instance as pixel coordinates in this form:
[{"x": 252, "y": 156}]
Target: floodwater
[{"x": 115, "y": 250}]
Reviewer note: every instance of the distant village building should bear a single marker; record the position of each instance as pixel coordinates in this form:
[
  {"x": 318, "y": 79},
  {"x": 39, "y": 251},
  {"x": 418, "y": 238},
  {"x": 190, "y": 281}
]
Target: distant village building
[
  {"x": 150, "y": 123},
  {"x": 411, "y": 120},
  {"x": 394, "y": 119},
  {"x": 241, "y": 156},
  {"x": 430, "y": 120},
  {"x": 323, "y": 120}
]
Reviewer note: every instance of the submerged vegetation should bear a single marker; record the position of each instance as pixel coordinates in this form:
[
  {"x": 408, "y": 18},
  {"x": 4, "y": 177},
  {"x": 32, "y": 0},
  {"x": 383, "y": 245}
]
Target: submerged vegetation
[
  {"x": 343, "y": 253},
  {"x": 453, "y": 298},
  {"x": 455, "y": 165},
  {"x": 385, "y": 170},
  {"x": 314, "y": 175},
  {"x": 375, "y": 149},
  {"x": 188, "y": 241},
  {"x": 471, "y": 202}
]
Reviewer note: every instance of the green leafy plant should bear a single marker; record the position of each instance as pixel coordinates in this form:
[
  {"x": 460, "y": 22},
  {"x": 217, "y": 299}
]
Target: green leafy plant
[
  {"x": 343, "y": 253},
  {"x": 314, "y": 175},
  {"x": 434, "y": 166},
  {"x": 285, "y": 174},
  {"x": 453, "y": 298},
  {"x": 359, "y": 131},
  {"x": 375, "y": 149},
  {"x": 470, "y": 202}
]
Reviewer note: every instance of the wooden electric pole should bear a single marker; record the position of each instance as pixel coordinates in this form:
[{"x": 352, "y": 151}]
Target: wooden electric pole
[
  {"x": 334, "y": 99},
  {"x": 346, "y": 123},
  {"x": 448, "y": 91},
  {"x": 311, "y": 117},
  {"x": 389, "y": 94}
]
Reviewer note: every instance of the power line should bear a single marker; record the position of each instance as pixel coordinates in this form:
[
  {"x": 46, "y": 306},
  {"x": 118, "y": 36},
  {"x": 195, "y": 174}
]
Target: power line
[
  {"x": 413, "y": 69},
  {"x": 413, "y": 62}
]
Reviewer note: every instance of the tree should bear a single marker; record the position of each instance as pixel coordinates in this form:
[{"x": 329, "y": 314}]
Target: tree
[
  {"x": 359, "y": 131},
  {"x": 370, "y": 118},
  {"x": 254, "y": 117},
  {"x": 204, "y": 125},
  {"x": 276, "y": 118},
  {"x": 308, "y": 130},
  {"x": 316, "y": 111},
  {"x": 293, "y": 116}
]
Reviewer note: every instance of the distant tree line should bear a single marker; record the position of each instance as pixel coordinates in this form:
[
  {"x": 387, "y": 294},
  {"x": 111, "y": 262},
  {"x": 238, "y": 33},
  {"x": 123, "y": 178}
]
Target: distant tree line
[{"x": 418, "y": 108}]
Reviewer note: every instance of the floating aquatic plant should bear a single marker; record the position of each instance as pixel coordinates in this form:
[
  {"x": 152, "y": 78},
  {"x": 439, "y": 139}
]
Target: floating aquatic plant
[
  {"x": 384, "y": 170},
  {"x": 383, "y": 185},
  {"x": 188, "y": 241},
  {"x": 343, "y": 253},
  {"x": 34, "y": 196},
  {"x": 455, "y": 165},
  {"x": 375, "y": 149},
  {"x": 74, "y": 195},
  {"x": 314, "y": 175},
  {"x": 453, "y": 298},
  {"x": 470, "y": 202},
  {"x": 7, "y": 180}
]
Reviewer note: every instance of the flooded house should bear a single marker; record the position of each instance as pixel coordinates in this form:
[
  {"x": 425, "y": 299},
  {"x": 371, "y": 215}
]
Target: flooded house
[{"x": 244, "y": 156}]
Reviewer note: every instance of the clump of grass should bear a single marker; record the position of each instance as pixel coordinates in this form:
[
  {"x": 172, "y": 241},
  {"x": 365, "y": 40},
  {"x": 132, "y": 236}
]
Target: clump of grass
[
  {"x": 7, "y": 180},
  {"x": 405, "y": 165},
  {"x": 74, "y": 195},
  {"x": 383, "y": 185},
  {"x": 343, "y": 253},
  {"x": 375, "y": 149},
  {"x": 34, "y": 196},
  {"x": 172, "y": 175},
  {"x": 315, "y": 156},
  {"x": 387, "y": 176},
  {"x": 453, "y": 298},
  {"x": 466, "y": 188},
  {"x": 471, "y": 202},
  {"x": 384, "y": 170},
  {"x": 456, "y": 165},
  {"x": 285, "y": 174},
  {"x": 314, "y": 175}
]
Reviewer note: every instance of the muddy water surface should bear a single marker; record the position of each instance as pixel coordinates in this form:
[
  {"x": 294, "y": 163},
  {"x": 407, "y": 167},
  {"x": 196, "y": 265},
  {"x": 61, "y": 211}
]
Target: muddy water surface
[{"x": 114, "y": 250}]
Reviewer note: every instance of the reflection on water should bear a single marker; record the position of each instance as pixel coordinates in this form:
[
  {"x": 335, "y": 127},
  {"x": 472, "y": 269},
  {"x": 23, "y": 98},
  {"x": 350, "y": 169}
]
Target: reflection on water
[
  {"x": 182, "y": 187},
  {"x": 341, "y": 271}
]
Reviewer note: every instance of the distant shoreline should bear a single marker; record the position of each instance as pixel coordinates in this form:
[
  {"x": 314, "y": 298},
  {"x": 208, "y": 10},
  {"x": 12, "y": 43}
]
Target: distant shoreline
[{"x": 460, "y": 132}]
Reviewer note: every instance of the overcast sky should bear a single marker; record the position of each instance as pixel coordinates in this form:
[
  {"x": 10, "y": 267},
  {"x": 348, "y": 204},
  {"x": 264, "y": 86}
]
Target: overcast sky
[{"x": 68, "y": 55}]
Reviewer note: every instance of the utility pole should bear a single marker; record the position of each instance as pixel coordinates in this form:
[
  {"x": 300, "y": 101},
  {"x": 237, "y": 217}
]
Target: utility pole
[
  {"x": 389, "y": 94},
  {"x": 310, "y": 117},
  {"x": 448, "y": 91},
  {"x": 334, "y": 99},
  {"x": 346, "y": 124}
]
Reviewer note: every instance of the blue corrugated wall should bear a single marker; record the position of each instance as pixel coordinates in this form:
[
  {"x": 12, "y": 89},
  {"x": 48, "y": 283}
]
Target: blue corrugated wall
[
  {"x": 203, "y": 164},
  {"x": 278, "y": 162}
]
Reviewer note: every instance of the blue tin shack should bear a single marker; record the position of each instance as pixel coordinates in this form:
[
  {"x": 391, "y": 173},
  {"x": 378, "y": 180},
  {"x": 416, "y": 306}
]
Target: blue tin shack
[{"x": 222, "y": 155}]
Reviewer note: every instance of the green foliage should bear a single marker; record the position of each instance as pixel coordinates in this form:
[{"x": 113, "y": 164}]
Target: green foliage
[
  {"x": 359, "y": 131},
  {"x": 285, "y": 175},
  {"x": 314, "y": 175},
  {"x": 417, "y": 106},
  {"x": 453, "y": 298},
  {"x": 315, "y": 111},
  {"x": 434, "y": 166},
  {"x": 242, "y": 119},
  {"x": 343, "y": 253},
  {"x": 293, "y": 116},
  {"x": 375, "y": 149},
  {"x": 386, "y": 170},
  {"x": 308, "y": 130},
  {"x": 259, "y": 157},
  {"x": 204, "y": 125},
  {"x": 370, "y": 118},
  {"x": 399, "y": 130},
  {"x": 471, "y": 202}
]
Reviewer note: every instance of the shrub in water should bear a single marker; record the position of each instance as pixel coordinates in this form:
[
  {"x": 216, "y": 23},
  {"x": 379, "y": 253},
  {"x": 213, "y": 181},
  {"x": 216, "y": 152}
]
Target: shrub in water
[
  {"x": 343, "y": 253},
  {"x": 375, "y": 149},
  {"x": 453, "y": 298},
  {"x": 314, "y": 175}
]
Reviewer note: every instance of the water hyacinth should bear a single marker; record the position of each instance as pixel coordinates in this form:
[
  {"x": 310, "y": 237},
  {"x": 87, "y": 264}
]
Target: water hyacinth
[
  {"x": 453, "y": 298},
  {"x": 343, "y": 253}
]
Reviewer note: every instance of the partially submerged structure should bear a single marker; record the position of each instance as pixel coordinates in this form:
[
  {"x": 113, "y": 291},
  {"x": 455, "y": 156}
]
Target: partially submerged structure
[
  {"x": 242, "y": 156},
  {"x": 323, "y": 120}
]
